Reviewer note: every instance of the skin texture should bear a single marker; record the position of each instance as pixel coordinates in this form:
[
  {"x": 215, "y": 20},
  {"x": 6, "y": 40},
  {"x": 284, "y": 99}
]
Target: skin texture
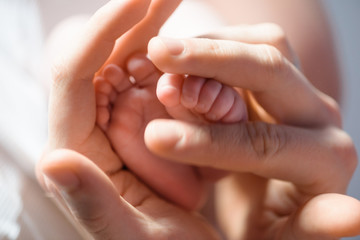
[
  {"x": 291, "y": 169},
  {"x": 274, "y": 209},
  {"x": 123, "y": 117},
  {"x": 124, "y": 109}
]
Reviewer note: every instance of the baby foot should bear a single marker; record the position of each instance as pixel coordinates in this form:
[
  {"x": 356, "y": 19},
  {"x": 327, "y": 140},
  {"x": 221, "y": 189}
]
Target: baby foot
[
  {"x": 126, "y": 103},
  {"x": 193, "y": 98}
]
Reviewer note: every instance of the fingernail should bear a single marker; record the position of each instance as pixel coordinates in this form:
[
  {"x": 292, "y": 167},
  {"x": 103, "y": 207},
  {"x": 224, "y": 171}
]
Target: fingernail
[
  {"x": 64, "y": 181},
  {"x": 175, "y": 46},
  {"x": 163, "y": 136}
]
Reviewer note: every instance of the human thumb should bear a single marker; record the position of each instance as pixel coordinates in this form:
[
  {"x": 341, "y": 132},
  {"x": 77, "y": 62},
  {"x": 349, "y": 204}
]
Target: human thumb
[{"x": 93, "y": 201}]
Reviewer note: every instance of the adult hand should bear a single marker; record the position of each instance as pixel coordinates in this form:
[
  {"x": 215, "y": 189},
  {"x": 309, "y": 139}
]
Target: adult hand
[
  {"x": 293, "y": 168},
  {"x": 80, "y": 166}
]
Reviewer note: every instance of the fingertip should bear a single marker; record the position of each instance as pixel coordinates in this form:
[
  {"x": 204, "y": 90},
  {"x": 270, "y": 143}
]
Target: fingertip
[
  {"x": 64, "y": 179},
  {"x": 180, "y": 141},
  {"x": 168, "y": 95},
  {"x": 162, "y": 136},
  {"x": 162, "y": 50},
  {"x": 58, "y": 167},
  {"x": 335, "y": 215},
  {"x": 155, "y": 49},
  {"x": 173, "y": 46}
]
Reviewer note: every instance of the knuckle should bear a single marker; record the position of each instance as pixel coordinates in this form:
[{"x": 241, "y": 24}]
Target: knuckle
[
  {"x": 276, "y": 36},
  {"x": 344, "y": 152},
  {"x": 334, "y": 112},
  {"x": 340, "y": 160},
  {"x": 274, "y": 63},
  {"x": 266, "y": 140}
]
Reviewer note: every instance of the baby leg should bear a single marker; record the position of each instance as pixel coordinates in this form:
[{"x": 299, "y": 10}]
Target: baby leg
[{"x": 195, "y": 98}]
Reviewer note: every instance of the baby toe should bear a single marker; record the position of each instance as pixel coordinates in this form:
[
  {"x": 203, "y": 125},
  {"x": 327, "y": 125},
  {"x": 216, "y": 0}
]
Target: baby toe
[
  {"x": 143, "y": 70},
  {"x": 102, "y": 99},
  {"x": 102, "y": 86},
  {"x": 116, "y": 77},
  {"x": 222, "y": 105},
  {"x": 190, "y": 91},
  {"x": 168, "y": 89},
  {"x": 102, "y": 117},
  {"x": 208, "y": 95},
  {"x": 237, "y": 113}
]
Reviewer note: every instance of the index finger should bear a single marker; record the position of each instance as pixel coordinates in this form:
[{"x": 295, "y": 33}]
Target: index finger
[
  {"x": 307, "y": 158},
  {"x": 280, "y": 88}
]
